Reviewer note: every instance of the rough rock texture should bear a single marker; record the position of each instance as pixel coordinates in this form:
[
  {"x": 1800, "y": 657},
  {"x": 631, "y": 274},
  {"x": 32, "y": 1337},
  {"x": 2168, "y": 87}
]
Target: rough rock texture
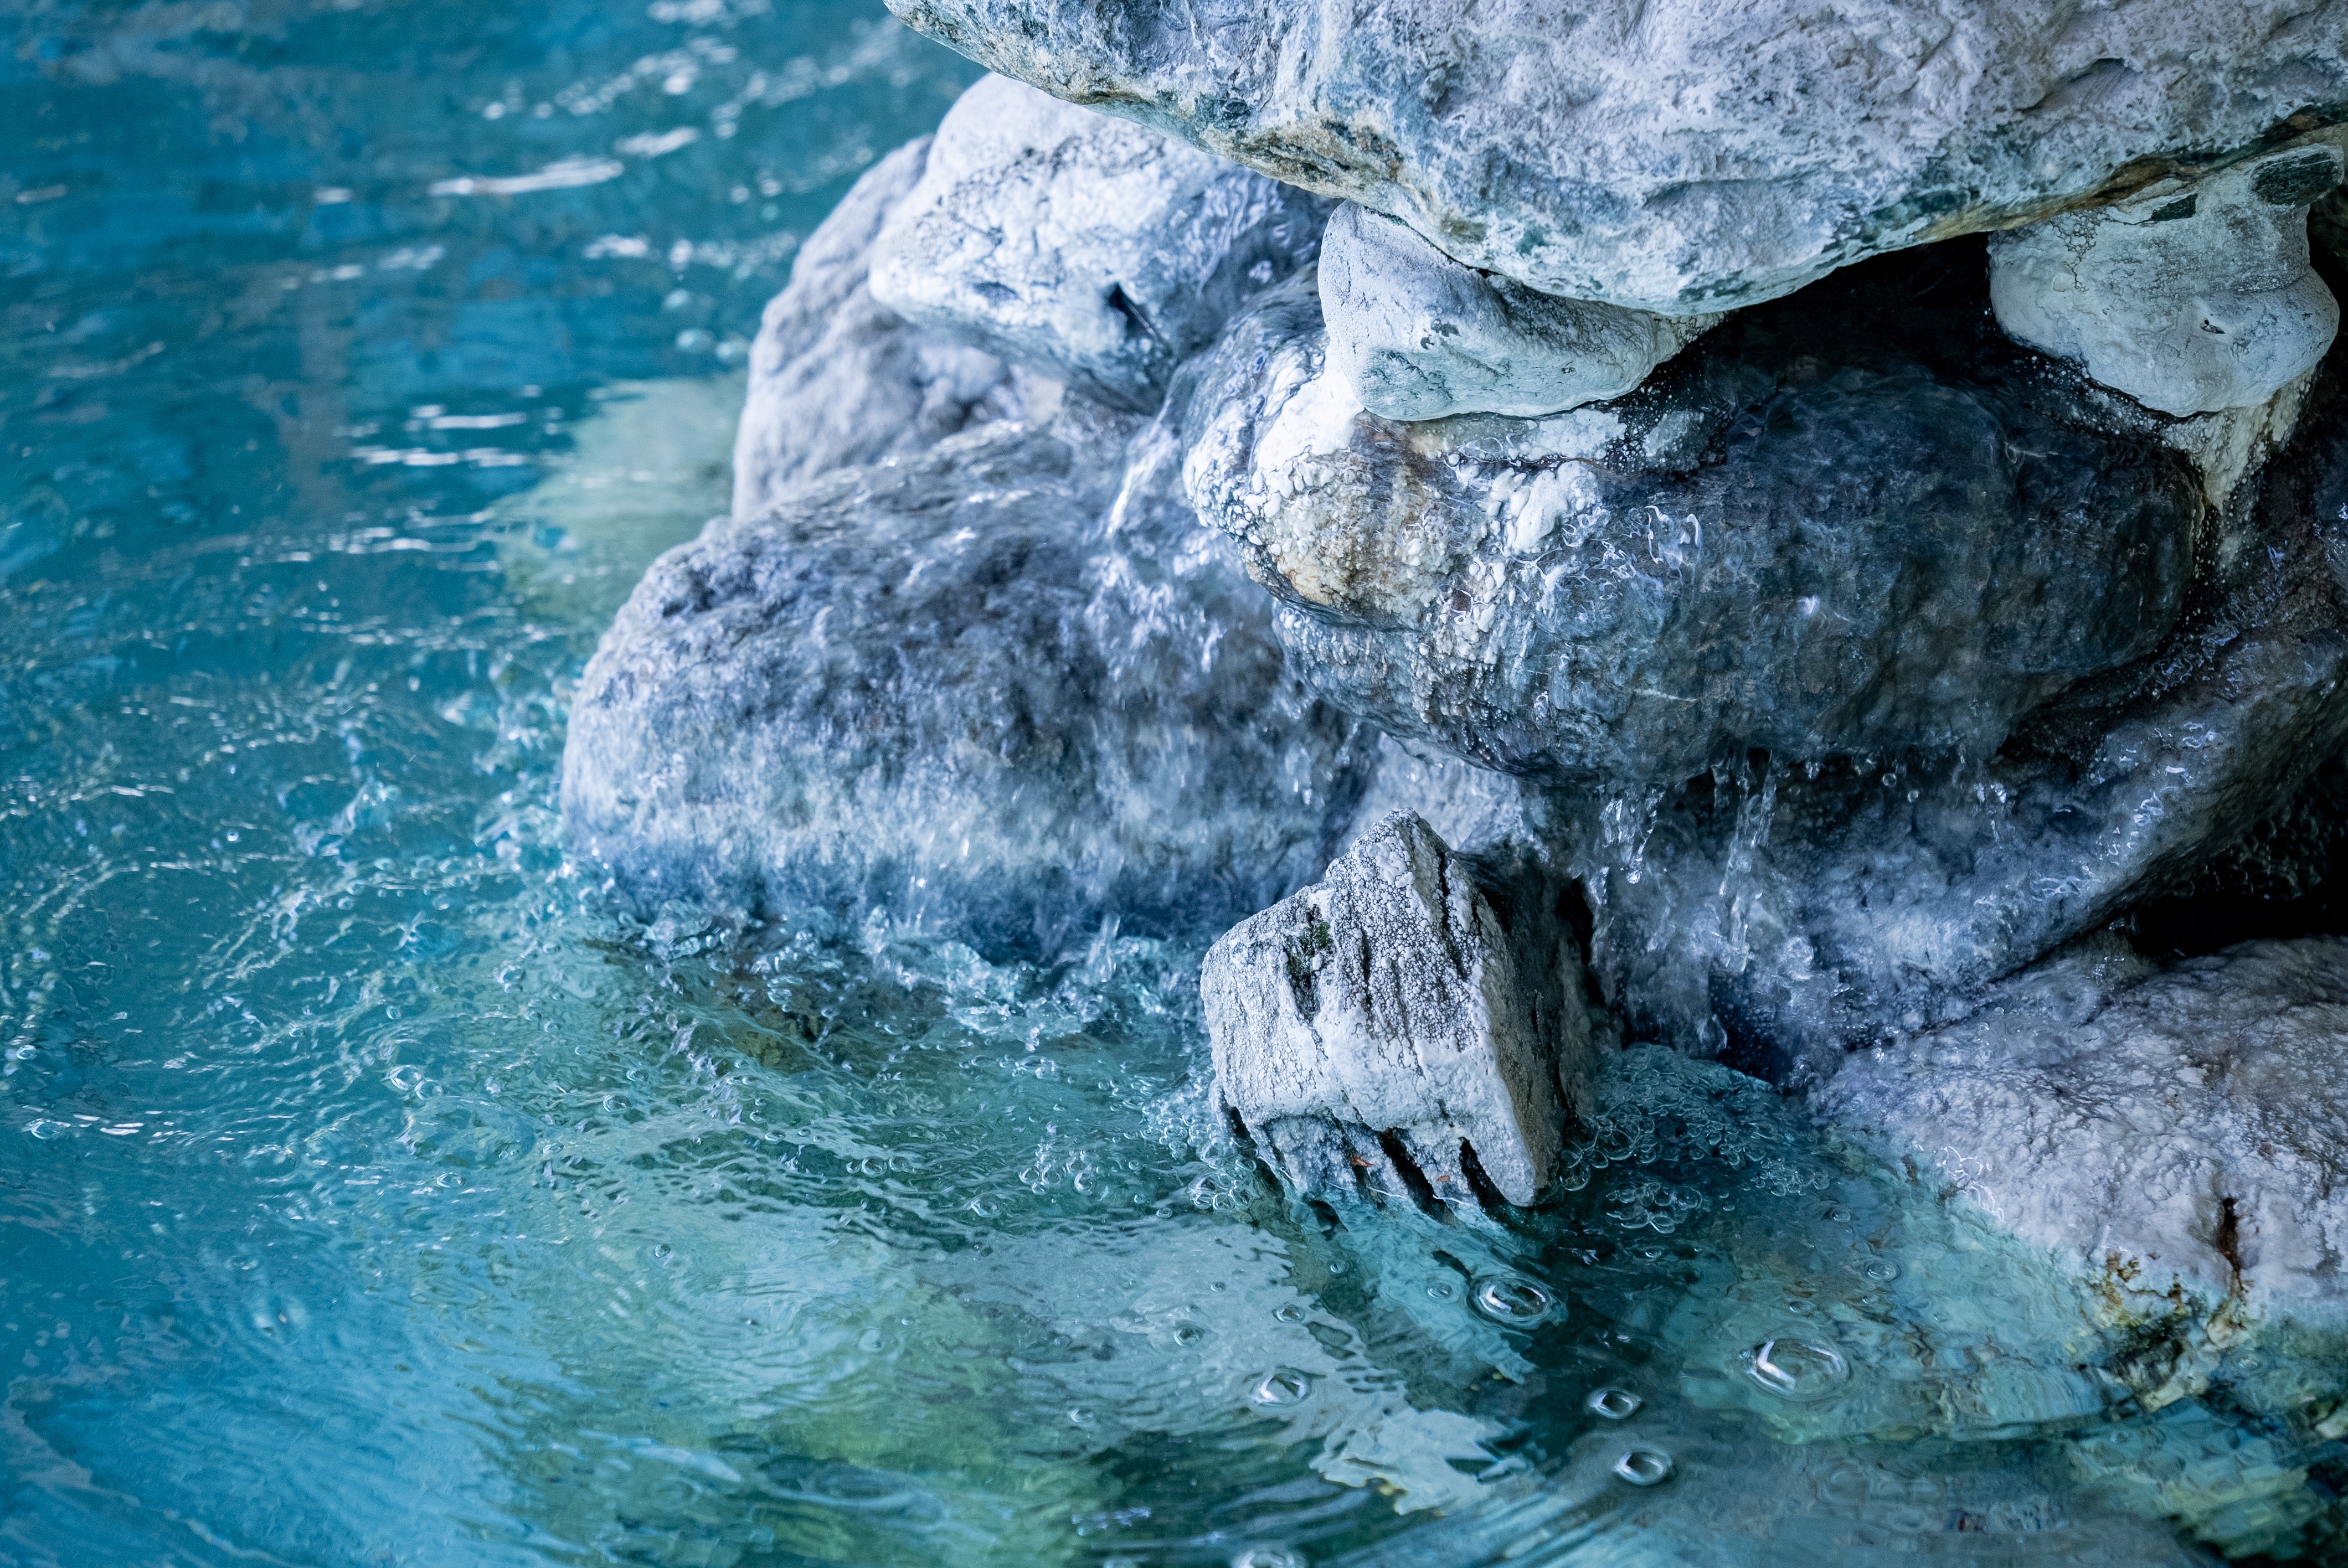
[
  {"x": 2188, "y": 298},
  {"x": 1419, "y": 337},
  {"x": 836, "y": 379},
  {"x": 1829, "y": 527},
  {"x": 2186, "y": 1127},
  {"x": 1683, "y": 155},
  {"x": 2055, "y": 676},
  {"x": 1081, "y": 246},
  {"x": 1391, "y": 1018},
  {"x": 981, "y": 687}
]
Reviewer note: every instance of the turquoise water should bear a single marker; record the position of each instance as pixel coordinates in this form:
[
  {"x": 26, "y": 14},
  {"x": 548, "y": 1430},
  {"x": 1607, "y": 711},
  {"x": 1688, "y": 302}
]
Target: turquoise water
[{"x": 370, "y": 1193}]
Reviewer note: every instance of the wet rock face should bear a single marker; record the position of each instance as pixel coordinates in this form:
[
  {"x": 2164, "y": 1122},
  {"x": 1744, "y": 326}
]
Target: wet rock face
[
  {"x": 2183, "y": 1127},
  {"x": 1392, "y": 1024},
  {"x": 2188, "y": 298},
  {"x": 1652, "y": 156},
  {"x": 977, "y": 688},
  {"x": 838, "y": 379},
  {"x": 1419, "y": 337},
  {"x": 1085, "y": 247},
  {"x": 1851, "y": 522}
]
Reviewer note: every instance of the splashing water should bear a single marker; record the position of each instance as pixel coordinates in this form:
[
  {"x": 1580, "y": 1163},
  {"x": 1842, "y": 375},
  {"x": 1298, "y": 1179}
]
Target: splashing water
[{"x": 374, "y": 1194}]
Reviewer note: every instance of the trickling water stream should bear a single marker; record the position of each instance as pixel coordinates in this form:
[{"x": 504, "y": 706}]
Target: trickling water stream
[{"x": 370, "y": 1193}]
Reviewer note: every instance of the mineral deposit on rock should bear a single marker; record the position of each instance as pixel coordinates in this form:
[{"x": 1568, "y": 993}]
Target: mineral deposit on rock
[
  {"x": 1684, "y": 157},
  {"x": 2184, "y": 1127},
  {"x": 1393, "y": 1001},
  {"x": 2188, "y": 298},
  {"x": 1084, "y": 247}
]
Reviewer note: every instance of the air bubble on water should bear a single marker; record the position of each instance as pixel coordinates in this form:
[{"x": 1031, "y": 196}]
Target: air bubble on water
[
  {"x": 1881, "y": 1270},
  {"x": 1268, "y": 1557},
  {"x": 1281, "y": 1385},
  {"x": 1078, "y": 1415},
  {"x": 1644, "y": 1467},
  {"x": 1796, "y": 1368},
  {"x": 1510, "y": 1300},
  {"x": 1614, "y": 1404},
  {"x": 1443, "y": 1290},
  {"x": 1289, "y": 1312}
]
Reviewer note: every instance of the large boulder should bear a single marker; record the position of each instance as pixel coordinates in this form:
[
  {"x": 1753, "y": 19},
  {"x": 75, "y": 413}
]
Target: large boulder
[
  {"x": 1858, "y": 659},
  {"x": 1083, "y": 247},
  {"x": 1006, "y": 689},
  {"x": 838, "y": 379},
  {"x": 1682, "y": 156},
  {"x": 2170, "y": 1131},
  {"x": 1397, "y": 1020},
  {"x": 1842, "y": 525}
]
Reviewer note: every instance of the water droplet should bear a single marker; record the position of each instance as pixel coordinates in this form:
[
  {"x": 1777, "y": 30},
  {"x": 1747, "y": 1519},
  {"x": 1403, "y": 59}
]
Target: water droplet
[
  {"x": 1188, "y": 1333},
  {"x": 1443, "y": 1290},
  {"x": 1505, "y": 1298},
  {"x": 1838, "y": 1215},
  {"x": 1615, "y": 1404},
  {"x": 1291, "y": 1313},
  {"x": 1267, "y": 1557},
  {"x": 1078, "y": 1415},
  {"x": 1881, "y": 1270},
  {"x": 1801, "y": 1306},
  {"x": 1281, "y": 1385},
  {"x": 1644, "y": 1467},
  {"x": 1797, "y": 1370}
]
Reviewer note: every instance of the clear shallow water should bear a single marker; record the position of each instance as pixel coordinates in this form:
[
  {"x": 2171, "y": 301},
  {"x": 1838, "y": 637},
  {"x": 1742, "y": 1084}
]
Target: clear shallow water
[{"x": 369, "y": 1195}]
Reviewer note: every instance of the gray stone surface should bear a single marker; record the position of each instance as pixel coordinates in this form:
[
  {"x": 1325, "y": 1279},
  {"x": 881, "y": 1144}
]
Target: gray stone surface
[
  {"x": 1084, "y": 247},
  {"x": 1006, "y": 688},
  {"x": 836, "y": 379},
  {"x": 1420, "y": 336},
  {"x": 1395, "y": 999},
  {"x": 2189, "y": 298},
  {"x": 2158, "y": 1129},
  {"x": 1830, "y": 529},
  {"x": 2051, "y": 713},
  {"x": 1683, "y": 155}
]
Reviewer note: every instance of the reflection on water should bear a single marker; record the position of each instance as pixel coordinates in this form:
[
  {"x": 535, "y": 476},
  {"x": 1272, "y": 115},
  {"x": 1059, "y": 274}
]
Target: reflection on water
[{"x": 372, "y": 1196}]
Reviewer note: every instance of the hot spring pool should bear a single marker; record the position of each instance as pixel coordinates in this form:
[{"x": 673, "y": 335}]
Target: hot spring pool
[{"x": 371, "y": 1193}]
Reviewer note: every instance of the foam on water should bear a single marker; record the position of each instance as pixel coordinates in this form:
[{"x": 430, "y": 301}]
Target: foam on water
[{"x": 373, "y": 1192}]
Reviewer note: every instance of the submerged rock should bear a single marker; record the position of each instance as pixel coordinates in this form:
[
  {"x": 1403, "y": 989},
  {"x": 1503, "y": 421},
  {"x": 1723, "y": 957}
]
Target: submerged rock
[
  {"x": 2188, "y": 298},
  {"x": 1393, "y": 1020},
  {"x": 838, "y": 379},
  {"x": 1417, "y": 336},
  {"x": 1083, "y": 247},
  {"x": 2184, "y": 1128},
  {"x": 1682, "y": 156},
  {"x": 978, "y": 689}
]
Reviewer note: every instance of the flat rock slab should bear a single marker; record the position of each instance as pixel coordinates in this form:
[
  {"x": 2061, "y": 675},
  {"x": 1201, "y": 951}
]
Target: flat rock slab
[
  {"x": 1683, "y": 155},
  {"x": 992, "y": 689},
  {"x": 2184, "y": 1127},
  {"x": 1082, "y": 247},
  {"x": 1387, "y": 1020}
]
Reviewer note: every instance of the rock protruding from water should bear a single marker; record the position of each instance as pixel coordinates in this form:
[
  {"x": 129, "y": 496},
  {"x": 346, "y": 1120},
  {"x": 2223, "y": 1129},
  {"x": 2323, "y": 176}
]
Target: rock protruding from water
[
  {"x": 2185, "y": 1127},
  {"x": 1420, "y": 336},
  {"x": 2191, "y": 298},
  {"x": 1084, "y": 247},
  {"x": 1006, "y": 689},
  {"x": 1683, "y": 155},
  {"x": 1397, "y": 1021},
  {"x": 838, "y": 379}
]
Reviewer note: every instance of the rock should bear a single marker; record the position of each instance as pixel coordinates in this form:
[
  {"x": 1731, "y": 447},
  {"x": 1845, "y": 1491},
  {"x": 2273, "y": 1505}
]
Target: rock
[
  {"x": 2188, "y": 298},
  {"x": 1834, "y": 526},
  {"x": 837, "y": 380},
  {"x": 2050, "y": 714},
  {"x": 1417, "y": 336},
  {"x": 2182, "y": 1128},
  {"x": 1083, "y": 247},
  {"x": 1684, "y": 157},
  {"x": 982, "y": 688},
  {"x": 1391, "y": 1018}
]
